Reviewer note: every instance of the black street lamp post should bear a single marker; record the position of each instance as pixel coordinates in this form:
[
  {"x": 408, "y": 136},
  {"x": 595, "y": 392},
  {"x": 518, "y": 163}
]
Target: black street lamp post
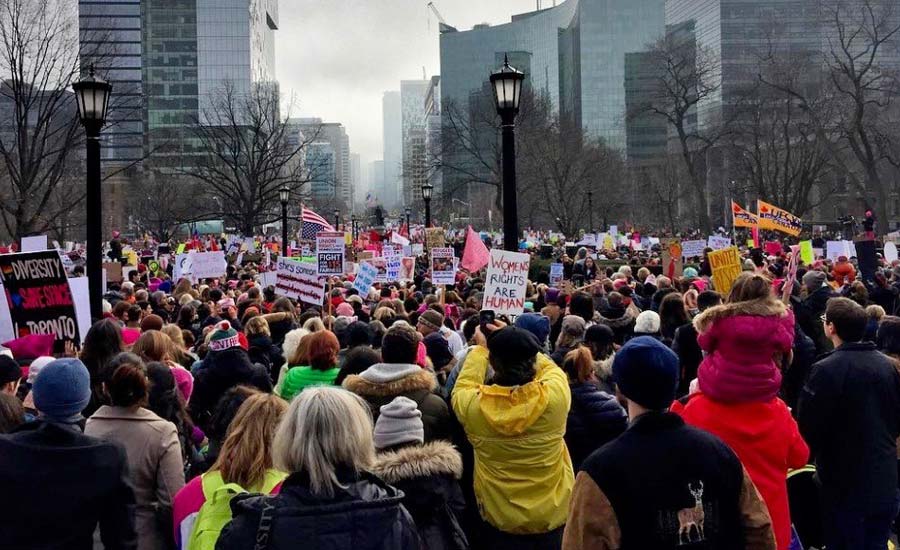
[
  {"x": 427, "y": 189},
  {"x": 285, "y": 195},
  {"x": 337, "y": 218},
  {"x": 92, "y": 97},
  {"x": 353, "y": 227},
  {"x": 408, "y": 212},
  {"x": 590, "y": 195},
  {"x": 507, "y": 84}
]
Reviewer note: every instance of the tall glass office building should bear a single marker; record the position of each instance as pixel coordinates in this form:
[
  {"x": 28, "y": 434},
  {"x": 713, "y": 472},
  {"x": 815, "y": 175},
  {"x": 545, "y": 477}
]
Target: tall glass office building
[
  {"x": 165, "y": 58},
  {"x": 574, "y": 54}
]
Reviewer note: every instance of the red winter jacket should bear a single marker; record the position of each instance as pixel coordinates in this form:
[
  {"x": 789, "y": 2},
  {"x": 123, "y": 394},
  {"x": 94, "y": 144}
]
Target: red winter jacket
[
  {"x": 767, "y": 440},
  {"x": 742, "y": 341}
]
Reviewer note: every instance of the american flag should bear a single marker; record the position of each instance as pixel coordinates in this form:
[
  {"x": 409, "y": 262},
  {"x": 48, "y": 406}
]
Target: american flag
[{"x": 312, "y": 224}]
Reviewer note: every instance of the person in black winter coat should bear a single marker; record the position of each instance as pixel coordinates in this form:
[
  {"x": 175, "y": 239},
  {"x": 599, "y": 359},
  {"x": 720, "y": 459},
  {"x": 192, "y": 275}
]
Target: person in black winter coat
[
  {"x": 59, "y": 484},
  {"x": 329, "y": 501},
  {"x": 595, "y": 417},
  {"x": 686, "y": 347},
  {"x": 849, "y": 414},
  {"x": 428, "y": 475},
  {"x": 795, "y": 376},
  {"x": 225, "y": 366},
  {"x": 618, "y": 317},
  {"x": 261, "y": 349},
  {"x": 809, "y": 310}
]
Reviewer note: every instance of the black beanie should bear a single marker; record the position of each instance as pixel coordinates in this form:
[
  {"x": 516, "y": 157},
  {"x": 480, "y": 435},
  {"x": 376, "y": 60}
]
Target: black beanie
[{"x": 646, "y": 372}]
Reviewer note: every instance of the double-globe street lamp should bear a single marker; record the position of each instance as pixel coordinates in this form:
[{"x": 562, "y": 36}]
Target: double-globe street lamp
[
  {"x": 285, "y": 195},
  {"x": 427, "y": 190},
  {"x": 507, "y": 84},
  {"x": 92, "y": 98}
]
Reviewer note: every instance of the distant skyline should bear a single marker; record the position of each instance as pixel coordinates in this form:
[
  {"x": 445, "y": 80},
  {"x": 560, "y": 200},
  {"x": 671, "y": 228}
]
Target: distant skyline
[{"x": 338, "y": 58}]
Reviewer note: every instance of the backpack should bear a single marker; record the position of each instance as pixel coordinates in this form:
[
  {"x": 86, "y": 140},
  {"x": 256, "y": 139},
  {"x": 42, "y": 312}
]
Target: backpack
[{"x": 216, "y": 511}]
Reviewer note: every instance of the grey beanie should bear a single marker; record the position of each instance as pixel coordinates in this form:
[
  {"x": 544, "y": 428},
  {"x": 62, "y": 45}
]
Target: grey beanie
[
  {"x": 400, "y": 422},
  {"x": 813, "y": 280}
]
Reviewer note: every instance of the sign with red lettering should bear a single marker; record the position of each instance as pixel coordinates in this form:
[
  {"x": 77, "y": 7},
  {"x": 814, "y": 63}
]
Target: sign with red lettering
[
  {"x": 504, "y": 289},
  {"x": 300, "y": 281},
  {"x": 38, "y": 295}
]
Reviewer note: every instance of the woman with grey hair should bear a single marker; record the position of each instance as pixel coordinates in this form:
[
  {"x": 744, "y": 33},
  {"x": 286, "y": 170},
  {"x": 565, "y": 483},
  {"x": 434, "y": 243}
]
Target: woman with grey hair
[{"x": 330, "y": 500}]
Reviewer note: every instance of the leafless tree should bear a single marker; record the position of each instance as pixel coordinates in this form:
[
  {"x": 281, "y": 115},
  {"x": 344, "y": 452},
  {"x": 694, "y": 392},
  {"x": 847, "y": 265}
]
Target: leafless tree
[
  {"x": 250, "y": 152},
  {"x": 160, "y": 202},
  {"x": 661, "y": 192}
]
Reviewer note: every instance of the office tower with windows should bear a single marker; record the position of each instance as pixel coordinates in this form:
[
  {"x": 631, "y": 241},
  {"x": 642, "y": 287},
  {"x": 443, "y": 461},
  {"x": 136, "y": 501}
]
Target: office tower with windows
[{"x": 392, "y": 116}]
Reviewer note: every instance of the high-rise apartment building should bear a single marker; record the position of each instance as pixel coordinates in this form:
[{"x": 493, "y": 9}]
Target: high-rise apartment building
[
  {"x": 336, "y": 182},
  {"x": 392, "y": 116},
  {"x": 412, "y": 104},
  {"x": 433, "y": 172}
]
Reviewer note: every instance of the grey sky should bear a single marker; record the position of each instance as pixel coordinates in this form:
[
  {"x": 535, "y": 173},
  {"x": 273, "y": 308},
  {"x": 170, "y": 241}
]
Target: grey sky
[{"x": 338, "y": 56}]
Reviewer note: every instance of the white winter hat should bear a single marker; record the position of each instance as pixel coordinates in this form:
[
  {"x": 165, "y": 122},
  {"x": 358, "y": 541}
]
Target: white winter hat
[{"x": 647, "y": 323}]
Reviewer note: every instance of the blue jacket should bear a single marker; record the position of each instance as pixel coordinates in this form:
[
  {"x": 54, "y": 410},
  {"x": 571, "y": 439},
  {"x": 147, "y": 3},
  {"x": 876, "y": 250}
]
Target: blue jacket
[{"x": 595, "y": 419}]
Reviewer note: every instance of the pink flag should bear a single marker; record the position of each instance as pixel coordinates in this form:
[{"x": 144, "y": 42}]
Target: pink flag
[{"x": 475, "y": 255}]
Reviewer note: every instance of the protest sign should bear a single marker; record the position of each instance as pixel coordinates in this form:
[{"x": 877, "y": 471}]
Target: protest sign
[
  {"x": 671, "y": 253},
  {"x": 349, "y": 268},
  {"x": 81, "y": 295},
  {"x": 692, "y": 249},
  {"x": 507, "y": 275},
  {"x": 267, "y": 278},
  {"x": 392, "y": 266},
  {"x": 442, "y": 270},
  {"x": 38, "y": 296},
  {"x": 589, "y": 239},
  {"x": 364, "y": 255},
  {"x": 407, "y": 269},
  {"x": 397, "y": 238},
  {"x": 556, "y": 274},
  {"x": 182, "y": 267},
  {"x": 417, "y": 249},
  {"x": 434, "y": 237},
  {"x": 208, "y": 265},
  {"x": 36, "y": 243},
  {"x": 806, "y": 252},
  {"x": 726, "y": 266},
  {"x": 180, "y": 249},
  {"x": 300, "y": 281},
  {"x": 890, "y": 252},
  {"x": 391, "y": 250},
  {"x": 614, "y": 230},
  {"x": 718, "y": 243},
  {"x": 113, "y": 272},
  {"x": 380, "y": 265},
  {"x": 365, "y": 278},
  {"x": 836, "y": 249},
  {"x": 772, "y": 248},
  {"x": 330, "y": 252}
]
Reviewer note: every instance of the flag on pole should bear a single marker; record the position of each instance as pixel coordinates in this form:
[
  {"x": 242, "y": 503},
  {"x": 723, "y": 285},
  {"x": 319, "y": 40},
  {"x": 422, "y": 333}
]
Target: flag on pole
[
  {"x": 741, "y": 217},
  {"x": 476, "y": 254},
  {"x": 312, "y": 224},
  {"x": 778, "y": 219}
]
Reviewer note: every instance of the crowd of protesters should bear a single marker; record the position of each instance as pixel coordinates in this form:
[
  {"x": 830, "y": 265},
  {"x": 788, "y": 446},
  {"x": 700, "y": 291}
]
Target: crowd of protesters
[{"x": 640, "y": 411}]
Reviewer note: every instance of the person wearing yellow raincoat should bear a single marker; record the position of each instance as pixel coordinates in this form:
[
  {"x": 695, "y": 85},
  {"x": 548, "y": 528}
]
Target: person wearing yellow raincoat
[{"x": 523, "y": 474}]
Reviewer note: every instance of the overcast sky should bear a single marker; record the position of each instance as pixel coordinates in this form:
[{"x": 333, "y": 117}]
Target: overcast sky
[{"x": 338, "y": 56}]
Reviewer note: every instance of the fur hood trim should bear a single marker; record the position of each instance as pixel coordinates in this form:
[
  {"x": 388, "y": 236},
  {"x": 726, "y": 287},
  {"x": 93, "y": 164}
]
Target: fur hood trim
[
  {"x": 421, "y": 380},
  {"x": 435, "y": 458},
  {"x": 768, "y": 307}
]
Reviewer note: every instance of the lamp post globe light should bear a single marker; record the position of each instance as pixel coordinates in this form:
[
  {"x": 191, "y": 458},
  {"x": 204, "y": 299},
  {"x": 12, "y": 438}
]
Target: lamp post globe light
[
  {"x": 427, "y": 189},
  {"x": 408, "y": 212},
  {"x": 284, "y": 194},
  {"x": 337, "y": 218},
  {"x": 92, "y": 98},
  {"x": 507, "y": 86}
]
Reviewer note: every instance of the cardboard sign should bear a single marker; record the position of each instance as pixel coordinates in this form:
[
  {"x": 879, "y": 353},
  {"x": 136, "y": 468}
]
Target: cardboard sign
[
  {"x": 330, "y": 253},
  {"x": 692, "y": 249},
  {"x": 556, "y": 274},
  {"x": 407, "y": 269},
  {"x": 442, "y": 270},
  {"x": 208, "y": 265},
  {"x": 365, "y": 278},
  {"x": 507, "y": 275},
  {"x": 38, "y": 296},
  {"x": 36, "y": 243},
  {"x": 726, "y": 266},
  {"x": 299, "y": 281},
  {"x": 365, "y": 255},
  {"x": 718, "y": 243},
  {"x": 434, "y": 237}
]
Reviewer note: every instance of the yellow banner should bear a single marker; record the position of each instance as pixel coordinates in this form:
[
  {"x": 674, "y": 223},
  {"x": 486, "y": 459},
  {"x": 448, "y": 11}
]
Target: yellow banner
[
  {"x": 772, "y": 217},
  {"x": 742, "y": 217},
  {"x": 726, "y": 266}
]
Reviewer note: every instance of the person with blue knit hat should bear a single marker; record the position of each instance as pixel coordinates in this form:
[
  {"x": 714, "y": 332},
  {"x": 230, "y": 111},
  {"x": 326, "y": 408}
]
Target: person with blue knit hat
[
  {"x": 662, "y": 484},
  {"x": 64, "y": 483},
  {"x": 536, "y": 324}
]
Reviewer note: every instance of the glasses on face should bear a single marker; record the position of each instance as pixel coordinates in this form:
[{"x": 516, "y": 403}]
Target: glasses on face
[{"x": 824, "y": 319}]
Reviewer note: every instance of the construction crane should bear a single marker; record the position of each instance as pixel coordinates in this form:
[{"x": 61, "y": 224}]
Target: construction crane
[{"x": 443, "y": 26}]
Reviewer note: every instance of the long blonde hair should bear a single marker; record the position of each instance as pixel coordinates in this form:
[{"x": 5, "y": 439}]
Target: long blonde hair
[
  {"x": 246, "y": 454},
  {"x": 324, "y": 428}
]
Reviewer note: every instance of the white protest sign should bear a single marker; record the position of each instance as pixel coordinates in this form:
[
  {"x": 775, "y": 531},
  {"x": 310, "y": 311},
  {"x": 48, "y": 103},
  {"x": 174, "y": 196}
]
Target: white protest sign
[
  {"x": 330, "y": 253},
  {"x": 507, "y": 275},
  {"x": 81, "y": 296},
  {"x": 718, "y": 243},
  {"x": 691, "y": 249},
  {"x": 890, "y": 252},
  {"x": 208, "y": 265},
  {"x": 182, "y": 267},
  {"x": 614, "y": 230},
  {"x": 835, "y": 249},
  {"x": 365, "y": 278},
  {"x": 34, "y": 244},
  {"x": 7, "y": 332},
  {"x": 417, "y": 249},
  {"x": 300, "y": 281},
  {"x": 556, "y": 274},
  {"x": 589, "y": 239},
  {"x": 397, "y": 238},
  {"x": 380, "y": 265},
  {"x": 393, "y": 267},
  {"x": 267, "y": 278},
  {"x": 442, "y": 269}
]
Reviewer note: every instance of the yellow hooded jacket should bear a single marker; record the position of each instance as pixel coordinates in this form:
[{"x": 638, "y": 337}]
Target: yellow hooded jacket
[{"x": 523, "y": 473}]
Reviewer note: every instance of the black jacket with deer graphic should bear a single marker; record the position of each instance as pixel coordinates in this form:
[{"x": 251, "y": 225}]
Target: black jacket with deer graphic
[{"x": 665, "y": 485}]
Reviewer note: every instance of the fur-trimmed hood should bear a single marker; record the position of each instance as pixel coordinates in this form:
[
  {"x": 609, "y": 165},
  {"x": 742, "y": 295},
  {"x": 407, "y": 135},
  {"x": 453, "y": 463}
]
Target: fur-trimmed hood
[
  {"x": 435, "y": 458},
  {"x": 769, "y": 307},
  {"x": 419, "y": 380}
]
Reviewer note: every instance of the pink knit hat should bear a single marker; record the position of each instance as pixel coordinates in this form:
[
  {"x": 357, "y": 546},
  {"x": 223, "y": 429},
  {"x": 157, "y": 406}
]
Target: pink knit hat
[{"x": 344, "y": 310}]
